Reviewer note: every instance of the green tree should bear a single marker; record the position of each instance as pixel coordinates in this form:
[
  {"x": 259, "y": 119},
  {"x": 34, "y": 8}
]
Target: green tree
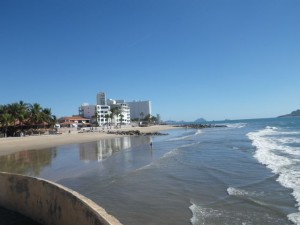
[
  {"x": 121, "y": 119},
  {"x": 6, "y": 120},
  {"x": 36, "y": 116},
  {"x": 107, "y": 116},
  {"x": 115, "y": 111},
  {"x": 14, "y": 110},
  {"x": 46, "y": 116},
  {"x": 97, "y": 116},
  {"x": 111, "y": 116},
  {"x": 154, "y": 119},
  {"x": 148, "y": 118},
  {"x": 23, "y": 113},
  {"x": 14, "y": 116},
  {"x": 142, "y": 115}
]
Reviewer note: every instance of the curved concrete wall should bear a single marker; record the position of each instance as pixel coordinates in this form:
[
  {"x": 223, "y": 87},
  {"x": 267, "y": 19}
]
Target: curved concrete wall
[{"x": 50, "y": 203}]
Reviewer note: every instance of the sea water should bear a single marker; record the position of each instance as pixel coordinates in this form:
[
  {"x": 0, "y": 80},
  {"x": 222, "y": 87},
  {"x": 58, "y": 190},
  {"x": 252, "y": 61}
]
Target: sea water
[{"x": 246, "y": 173}]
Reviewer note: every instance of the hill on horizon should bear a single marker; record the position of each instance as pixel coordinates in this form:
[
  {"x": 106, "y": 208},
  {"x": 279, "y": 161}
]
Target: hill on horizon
[{"x": 294, "y": 113}]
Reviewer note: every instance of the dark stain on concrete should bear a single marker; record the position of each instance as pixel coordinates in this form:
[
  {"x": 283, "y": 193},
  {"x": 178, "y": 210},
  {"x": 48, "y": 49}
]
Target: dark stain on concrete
[
  {"x": 19, "y": 187},
  {"x": 55, "y": 209}
]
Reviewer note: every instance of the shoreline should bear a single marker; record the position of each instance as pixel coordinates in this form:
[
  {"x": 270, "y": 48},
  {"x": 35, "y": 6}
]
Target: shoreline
[{"x": 16, "y": 144}]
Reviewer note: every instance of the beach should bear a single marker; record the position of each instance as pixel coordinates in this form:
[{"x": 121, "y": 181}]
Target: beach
[
  {"x": 229, "y": 175},
  {"x": 15, "y": 144}
]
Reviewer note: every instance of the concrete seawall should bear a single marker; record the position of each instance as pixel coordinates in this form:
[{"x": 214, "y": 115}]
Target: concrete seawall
[{"x": 50, "y": 203}]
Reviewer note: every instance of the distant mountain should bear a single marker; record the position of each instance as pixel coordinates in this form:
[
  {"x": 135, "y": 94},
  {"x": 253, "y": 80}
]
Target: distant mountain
[
  {"x": 294, "y": 113},
  {"x": 174, "y": 122},
  {"x": 200, "y": 120}
]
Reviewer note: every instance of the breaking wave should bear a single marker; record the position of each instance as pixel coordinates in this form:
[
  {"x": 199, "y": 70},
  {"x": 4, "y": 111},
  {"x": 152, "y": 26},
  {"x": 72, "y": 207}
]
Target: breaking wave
[{"x": 277, "y": 150}]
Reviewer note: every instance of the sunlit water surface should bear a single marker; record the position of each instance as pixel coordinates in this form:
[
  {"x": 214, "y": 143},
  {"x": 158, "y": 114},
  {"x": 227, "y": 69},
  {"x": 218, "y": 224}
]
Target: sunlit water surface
[{"x": 209, "y": 176}]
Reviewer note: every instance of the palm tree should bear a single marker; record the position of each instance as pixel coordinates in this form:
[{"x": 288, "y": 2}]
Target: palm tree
[
  {"x": 107, "y": 116},
  {"x": 36, "y": 116},
  {"x": 54, "y": 120},
  {"x": 97, "y": 117},
  {"x": 121, "y": 119},
  {"x": 148, "y": 118},
  {"x": 13, "y": 110},
  {"x": 141, "y": 115},
  {"x": 117, "y": 112},
  {"x": 46, "y": 116},
  {"x": 5, "y": 120},
  {"x": 113, "y": 114},
  {"x": 23, "y": 112},
  {"x": 16, "y": 114}
]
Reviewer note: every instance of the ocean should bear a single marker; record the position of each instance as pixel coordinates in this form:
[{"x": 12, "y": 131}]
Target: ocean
[{"x": 247, "y": 173}]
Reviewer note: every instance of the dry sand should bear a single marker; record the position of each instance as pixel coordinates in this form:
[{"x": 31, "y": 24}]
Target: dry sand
[{"x": 15, "y": 144}]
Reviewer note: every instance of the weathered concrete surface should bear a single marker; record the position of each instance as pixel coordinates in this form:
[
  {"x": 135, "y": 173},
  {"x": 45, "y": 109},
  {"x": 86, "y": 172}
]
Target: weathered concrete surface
[
  {"x": 8, "y": 217},
  {"x": 50, "y": 203}
]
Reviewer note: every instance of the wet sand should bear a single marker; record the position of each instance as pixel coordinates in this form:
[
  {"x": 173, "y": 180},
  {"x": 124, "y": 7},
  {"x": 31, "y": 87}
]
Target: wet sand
[{"x": 15, "y": 144}]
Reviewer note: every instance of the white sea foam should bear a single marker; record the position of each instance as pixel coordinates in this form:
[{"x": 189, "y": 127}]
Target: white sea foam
[
  {"x": 240, "y": 192},
  {"x": 289, "y": 140},
  {"x": 294, "y": 217},
  {"x": 199, "y": 131},
  {"x": 235, "y": 125},
  {"x": 201, "y": 214},
  {"x": 171, "y": 153},
  {"x": 196, "y": 211},
  {"x": 236, "y": 192},
  {"x": 180, "y": 138},
  {"x": 207, "y": 215},
  {"x": 273, "y": 128},
  {"x": 272, "y": 151},
  {"x": 204, "y": 215}
]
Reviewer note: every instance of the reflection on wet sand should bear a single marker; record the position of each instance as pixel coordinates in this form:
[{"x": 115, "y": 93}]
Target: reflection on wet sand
[
  {"x": 102, "y": 149},
  {"x": 29, "y": 162},
  {"x": 70, "y": 160}
]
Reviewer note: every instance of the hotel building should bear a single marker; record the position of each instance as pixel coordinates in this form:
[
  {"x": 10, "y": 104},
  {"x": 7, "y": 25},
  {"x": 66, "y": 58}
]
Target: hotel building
[
  {"x": 139, "y": 109},
  {"x": 104, "y": 106}
]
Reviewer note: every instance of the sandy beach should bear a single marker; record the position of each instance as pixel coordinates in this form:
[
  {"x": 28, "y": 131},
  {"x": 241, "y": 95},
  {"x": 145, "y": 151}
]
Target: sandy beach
[{"x": 15, "y": 144}]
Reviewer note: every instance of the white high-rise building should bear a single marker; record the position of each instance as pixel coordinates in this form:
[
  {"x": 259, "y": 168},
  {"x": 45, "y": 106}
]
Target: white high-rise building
[{"x": 139, "y": 109}]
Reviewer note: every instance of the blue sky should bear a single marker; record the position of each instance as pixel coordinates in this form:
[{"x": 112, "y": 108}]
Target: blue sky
[{"x": 217, "y": 59}]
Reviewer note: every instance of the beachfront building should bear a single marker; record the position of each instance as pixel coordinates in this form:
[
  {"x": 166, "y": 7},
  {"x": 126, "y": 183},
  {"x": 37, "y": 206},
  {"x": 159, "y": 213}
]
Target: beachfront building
[
  {"x": 139, "y": 109},
  {"x": 73, "y": 121},
  {"x": 124, "y": 111},
  {"x": 103, "y": 114},
  {"x": 86, "y": 110},
  {"x": 111, "y": 106}
]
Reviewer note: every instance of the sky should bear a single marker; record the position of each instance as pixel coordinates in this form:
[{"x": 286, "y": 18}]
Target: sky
[{"x": 212, "y": 59}]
